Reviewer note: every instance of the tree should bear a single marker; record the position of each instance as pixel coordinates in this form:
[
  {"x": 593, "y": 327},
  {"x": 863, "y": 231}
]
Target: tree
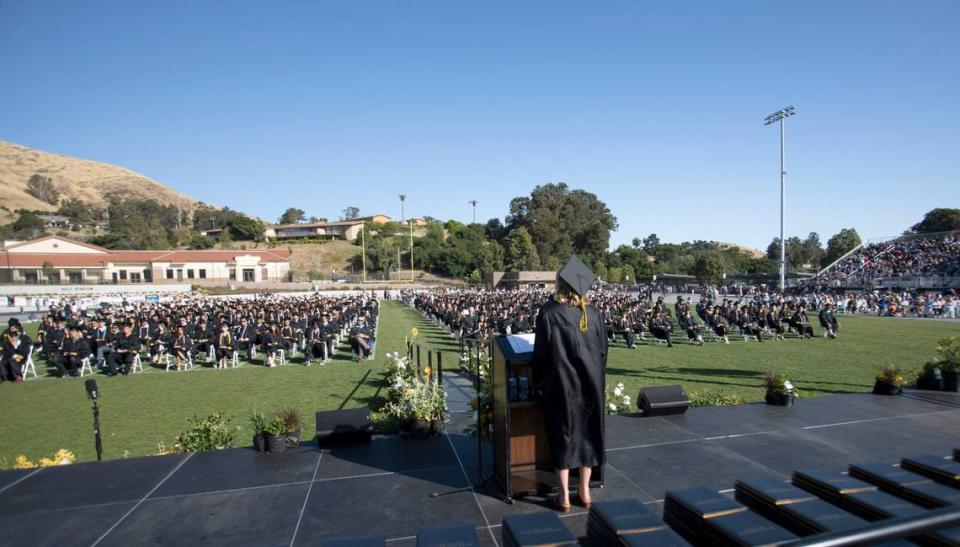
[
  {"x": 773, "y": 250},
  {"x": 201, "y": 242},
  {"x": 708, "y": 268},
  {"x": 600, "y": 270},
  {"x": 351, "y": 213},
  {"x": 840, "y": 244},
  {"x": 245, "y": 228},
  {"x": 938, "y": 220},
  {"x": 495, "y": 230},
  {"x": 562, "y": 222},
  {"x": 490, "y": 259},
  {"x": 43, "y": 188},
  {"x": 651, "y": 243},
  {"x": 813, "y": 250},
  {"x": 77, "y": 211},
  {"x": 47, "y": 268},
  {"x": 521, "y": 254},
  {"x": 292, "y": 216},
  {"x": 636, "y": 242},
  {"x": 28, "y": 224}
]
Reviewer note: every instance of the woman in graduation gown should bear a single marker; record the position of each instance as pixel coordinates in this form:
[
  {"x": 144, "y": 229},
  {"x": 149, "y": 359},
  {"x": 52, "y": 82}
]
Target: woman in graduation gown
[{"x": 570, "y": 355}]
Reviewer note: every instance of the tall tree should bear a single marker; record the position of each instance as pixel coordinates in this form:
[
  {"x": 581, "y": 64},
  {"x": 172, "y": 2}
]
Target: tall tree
[
  {"x": 292, "y": 216},
  {"x": 709, "y": 268},
  {"x": 839, "y": 244},
  {"x": 562, "y": 222},
  {"x": 351, "y": 213},
  {"x": 813, "y": 250},
  {"x": 938, "y": 220},
  {"x": 521, "y": 254},
  {"x": 650, "y": 244}
]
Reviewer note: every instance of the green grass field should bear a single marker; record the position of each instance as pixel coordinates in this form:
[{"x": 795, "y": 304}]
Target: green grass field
[{"x": 140, "y": 411}]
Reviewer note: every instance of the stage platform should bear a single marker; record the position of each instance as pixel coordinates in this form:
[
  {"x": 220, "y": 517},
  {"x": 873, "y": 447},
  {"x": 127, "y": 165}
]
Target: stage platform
[{"x": 241, "y": 497}]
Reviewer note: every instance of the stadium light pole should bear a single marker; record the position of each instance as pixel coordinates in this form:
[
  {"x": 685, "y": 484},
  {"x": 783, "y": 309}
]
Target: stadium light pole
[{"x": 780, "y": 116}]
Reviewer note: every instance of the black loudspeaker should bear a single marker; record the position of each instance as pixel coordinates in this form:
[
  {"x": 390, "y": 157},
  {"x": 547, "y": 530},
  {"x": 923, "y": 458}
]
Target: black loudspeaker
[
  {"x": 663, "y": 401},
  {"x": 344, "y": 426}
]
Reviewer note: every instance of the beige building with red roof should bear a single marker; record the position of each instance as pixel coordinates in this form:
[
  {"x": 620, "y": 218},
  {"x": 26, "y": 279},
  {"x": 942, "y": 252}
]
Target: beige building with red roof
[{"x": 58, "y": 260}]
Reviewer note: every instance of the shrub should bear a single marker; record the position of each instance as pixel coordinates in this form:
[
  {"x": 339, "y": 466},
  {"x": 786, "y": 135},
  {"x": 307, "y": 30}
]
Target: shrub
[
  {"x": 291, "y": 417},
  {"x": 890, "y": 375},
  {"x": 714, "y": 398},
  {"x": 276, "y": 427},
  {"x": 211, "y": 433}
]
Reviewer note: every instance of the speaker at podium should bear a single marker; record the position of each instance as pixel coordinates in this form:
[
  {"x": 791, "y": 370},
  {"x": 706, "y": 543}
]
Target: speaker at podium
[{"x": 522, "y": 464}]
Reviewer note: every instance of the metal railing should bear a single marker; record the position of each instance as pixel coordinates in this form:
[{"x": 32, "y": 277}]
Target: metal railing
[{"x": 886, "y": 530}]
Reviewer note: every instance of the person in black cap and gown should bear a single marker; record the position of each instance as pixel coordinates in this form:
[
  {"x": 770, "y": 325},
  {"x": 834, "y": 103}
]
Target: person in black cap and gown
[{"x": 570, "y": 356}]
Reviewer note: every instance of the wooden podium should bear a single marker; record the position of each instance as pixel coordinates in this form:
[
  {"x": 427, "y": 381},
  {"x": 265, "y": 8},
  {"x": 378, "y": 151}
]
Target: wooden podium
[{"x": 522, "y": 463}]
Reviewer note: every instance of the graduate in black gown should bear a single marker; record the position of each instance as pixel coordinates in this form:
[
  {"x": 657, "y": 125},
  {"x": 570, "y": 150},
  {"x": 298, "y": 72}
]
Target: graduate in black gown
[{"x": 570, "y": 356}]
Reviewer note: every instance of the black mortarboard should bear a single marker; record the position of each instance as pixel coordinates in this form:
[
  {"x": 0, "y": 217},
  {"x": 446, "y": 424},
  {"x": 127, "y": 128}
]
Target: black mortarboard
[{"x": 577, "y": 275}]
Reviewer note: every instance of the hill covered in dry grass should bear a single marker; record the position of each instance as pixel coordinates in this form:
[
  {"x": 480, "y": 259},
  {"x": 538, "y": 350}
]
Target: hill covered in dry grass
[{"x": 75, "y": 178}]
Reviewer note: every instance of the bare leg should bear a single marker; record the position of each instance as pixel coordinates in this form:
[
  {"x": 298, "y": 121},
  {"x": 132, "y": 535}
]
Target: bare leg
[
  {"x": 585, "y": 484},
  {"x": 564, "y": 475}
]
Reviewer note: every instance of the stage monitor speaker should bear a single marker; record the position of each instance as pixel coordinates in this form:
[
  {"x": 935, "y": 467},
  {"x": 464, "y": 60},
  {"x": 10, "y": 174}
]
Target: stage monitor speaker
[
  {"x": 344, "y": 426},
  {"x": 663, "y": 401}
]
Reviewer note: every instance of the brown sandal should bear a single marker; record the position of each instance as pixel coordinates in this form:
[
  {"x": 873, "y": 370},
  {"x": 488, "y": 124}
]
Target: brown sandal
[{"x": 559, "y": 505}]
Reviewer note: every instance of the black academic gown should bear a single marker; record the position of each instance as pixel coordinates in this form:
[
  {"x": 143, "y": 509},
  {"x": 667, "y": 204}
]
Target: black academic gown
[{"x": 571, "y": 366}]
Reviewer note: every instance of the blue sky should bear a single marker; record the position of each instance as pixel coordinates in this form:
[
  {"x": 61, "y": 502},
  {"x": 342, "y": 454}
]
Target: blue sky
[{"x": 657, "y": 108}]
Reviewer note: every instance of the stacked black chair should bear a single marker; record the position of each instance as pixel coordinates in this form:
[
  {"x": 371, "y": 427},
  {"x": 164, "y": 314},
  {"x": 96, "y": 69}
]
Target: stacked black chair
[
  {"x": 704, "y": 517},
  {"x": 796, "y": 510},
  {"x": 536, "y": 529},
  {"x": 860, "y": 498},
  {"x": 627, "y": 521},
  {"x": 937, "y": 468},
  {"x": 909, "y": 486}
]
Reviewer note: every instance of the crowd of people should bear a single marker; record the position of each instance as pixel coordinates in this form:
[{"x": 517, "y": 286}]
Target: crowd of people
[
  {"x": 907, "y": 257},
  {"x": 628, "y": 316},
  {"x": 177, "y": 333}
]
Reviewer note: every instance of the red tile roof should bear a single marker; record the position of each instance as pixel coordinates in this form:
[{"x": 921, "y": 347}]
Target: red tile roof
[{"x": 74, "y": 260}]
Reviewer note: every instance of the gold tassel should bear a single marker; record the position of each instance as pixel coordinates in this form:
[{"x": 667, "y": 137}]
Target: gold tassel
[{"x": 583, "y": 315}]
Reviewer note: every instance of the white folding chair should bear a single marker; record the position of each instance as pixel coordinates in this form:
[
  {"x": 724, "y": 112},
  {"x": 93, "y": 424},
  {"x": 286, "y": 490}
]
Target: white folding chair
[
  {"x": 84, "y": 367},
  {"x": 282, "y": 356},
  {"x": 137, "y": 364},
  {"x": 28, "y": 366},
  {"x": 235, "y": 359}
]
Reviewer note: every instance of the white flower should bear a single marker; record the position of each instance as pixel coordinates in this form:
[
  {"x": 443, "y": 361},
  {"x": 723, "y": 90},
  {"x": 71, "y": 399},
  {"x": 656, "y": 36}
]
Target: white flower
[
  {"x": 626, "y": 400},
  {"x": 618, "y": 391},
  {"x": 620, "y": 385},
  {"x": 613, "y": 407},
  {"x": 788, "y": 385}
]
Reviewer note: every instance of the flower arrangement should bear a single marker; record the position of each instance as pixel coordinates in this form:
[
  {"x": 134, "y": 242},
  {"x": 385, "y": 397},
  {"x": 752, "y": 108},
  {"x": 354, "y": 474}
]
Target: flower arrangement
[
  {"x": 420, "y": 400},
  {"x": 62, "y": 457},
  {"x": 778, "y": 384},
  {"x": 891, "y": 375},
  {"x": 617, "y": 400},
  {"x": 482, "y": 406},
  {"x": 948, "y": 354},
  {"x": 400, "y": 373},
  {"x": 714, "y": 398}
]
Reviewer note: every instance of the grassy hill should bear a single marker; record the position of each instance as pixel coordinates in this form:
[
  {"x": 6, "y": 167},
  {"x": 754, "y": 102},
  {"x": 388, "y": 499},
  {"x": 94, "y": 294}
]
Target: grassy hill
[
  {"x": 75, "y": 178},
  {"x": 318, "y": 257}
]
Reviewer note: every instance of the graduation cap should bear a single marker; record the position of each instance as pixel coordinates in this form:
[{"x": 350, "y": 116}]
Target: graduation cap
[{"x": 577, "y": 275}]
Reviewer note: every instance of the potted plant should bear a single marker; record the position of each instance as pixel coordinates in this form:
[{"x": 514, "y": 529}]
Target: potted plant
[
  {"x": 276, "y": 434},
  {"x": 422, "y": 411},
  {"x": 259, "y": 423},
  {"x": 888, "y": 381},
  {"x": 949, "y": 360},
  {"x": 930, "y": 377},
  {"x": 291, "y": 417},
  {"x": 780, "y": 391}
]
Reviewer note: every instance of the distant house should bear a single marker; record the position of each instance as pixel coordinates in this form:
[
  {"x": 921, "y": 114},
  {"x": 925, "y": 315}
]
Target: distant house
[
  {"x": 348, "y": 230},
  {"x": 58, "y": 260},
  {"x": 521, "y": 280},
  {"x": 54, "y": 221}
]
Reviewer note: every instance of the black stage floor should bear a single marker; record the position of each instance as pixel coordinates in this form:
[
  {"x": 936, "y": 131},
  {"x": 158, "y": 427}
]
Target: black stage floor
[{"x": 240, "y": 497}]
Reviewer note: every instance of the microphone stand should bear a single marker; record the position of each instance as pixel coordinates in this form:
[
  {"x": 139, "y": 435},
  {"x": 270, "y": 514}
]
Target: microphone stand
[{"x": 96, "y": 430}]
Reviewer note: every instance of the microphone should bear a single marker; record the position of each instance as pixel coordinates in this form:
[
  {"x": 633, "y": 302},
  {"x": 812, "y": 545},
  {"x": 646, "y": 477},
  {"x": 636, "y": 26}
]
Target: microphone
[{"x": 92, "y": 389}]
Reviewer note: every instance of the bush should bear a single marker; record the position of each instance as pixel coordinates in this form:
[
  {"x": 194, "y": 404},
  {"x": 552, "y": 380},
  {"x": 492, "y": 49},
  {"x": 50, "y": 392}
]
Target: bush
[
  {"x": 714, "y": 398},
  {"x": 211, "y": 433}
]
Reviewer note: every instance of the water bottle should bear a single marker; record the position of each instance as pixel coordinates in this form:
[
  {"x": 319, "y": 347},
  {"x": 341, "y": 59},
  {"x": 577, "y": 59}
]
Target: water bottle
[
  {"x": 512, "y": 388},
  {"x": 524, "y": 392}
]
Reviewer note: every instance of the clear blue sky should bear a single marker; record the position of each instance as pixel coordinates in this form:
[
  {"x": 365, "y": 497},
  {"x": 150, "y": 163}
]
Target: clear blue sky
[{"x": 657, "y": 108}]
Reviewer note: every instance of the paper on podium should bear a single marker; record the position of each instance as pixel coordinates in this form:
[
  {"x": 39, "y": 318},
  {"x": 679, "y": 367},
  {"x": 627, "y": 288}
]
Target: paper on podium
[{"x": 521, "y": 343}]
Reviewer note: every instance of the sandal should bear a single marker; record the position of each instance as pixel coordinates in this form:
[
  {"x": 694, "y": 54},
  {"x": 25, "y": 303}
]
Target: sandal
[
  {"x": 585, "y": 503},
  {"x": 559, "y": 505}
]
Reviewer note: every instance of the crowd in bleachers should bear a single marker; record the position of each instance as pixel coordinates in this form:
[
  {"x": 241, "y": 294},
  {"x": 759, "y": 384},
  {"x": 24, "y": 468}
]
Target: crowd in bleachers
[
  {"x": 181, "y": 332},
  {"x": 907, "y": 257},
  {"x": 628, "y": 316}
]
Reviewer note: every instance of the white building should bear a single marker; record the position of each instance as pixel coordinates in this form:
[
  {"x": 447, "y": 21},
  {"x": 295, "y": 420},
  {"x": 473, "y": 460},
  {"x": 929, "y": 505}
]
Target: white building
[{"x": 58, "y": 260}]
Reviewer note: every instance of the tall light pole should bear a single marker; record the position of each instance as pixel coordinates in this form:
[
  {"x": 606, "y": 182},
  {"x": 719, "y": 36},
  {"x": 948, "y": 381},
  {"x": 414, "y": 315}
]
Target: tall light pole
[
  {"x": 780, "y": 116},
  {"x": 403, "y": 197},
  {"x": 474, "y": 203}
]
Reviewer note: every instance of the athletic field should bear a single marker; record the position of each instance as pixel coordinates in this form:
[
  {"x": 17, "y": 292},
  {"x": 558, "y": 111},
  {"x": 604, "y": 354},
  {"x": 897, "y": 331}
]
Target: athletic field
[{"x": 139, "y": 412}]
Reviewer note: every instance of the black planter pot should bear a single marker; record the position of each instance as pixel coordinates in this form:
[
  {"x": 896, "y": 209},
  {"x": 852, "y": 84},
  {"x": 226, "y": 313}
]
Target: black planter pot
[
  {"x": 881, "y": 387},
  {"x": 436, "y": 427},
  {"x": 419, "y": 429},
  {"x": 779, "y": 399},
  {"x": 259, "y": 442},
  {"x": 949, "y": 380},
  {"x": 293, "y": 438},
  {"x": 276, "y": 443},
  {"x": 928, "y": 382}
]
